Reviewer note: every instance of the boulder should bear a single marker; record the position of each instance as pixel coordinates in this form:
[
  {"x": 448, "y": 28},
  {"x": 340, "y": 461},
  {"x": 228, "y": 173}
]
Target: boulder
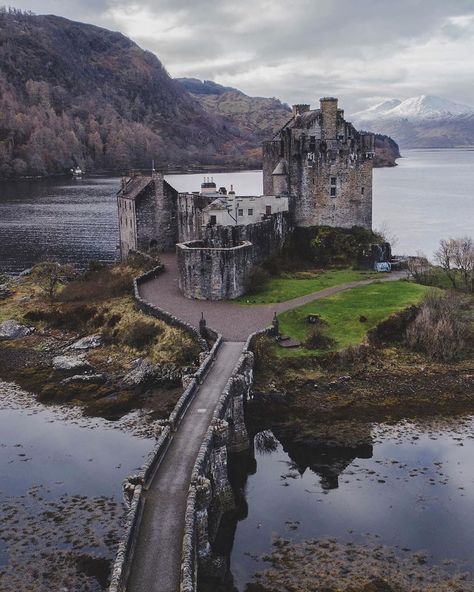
[
  {"x": 71, "y": 363},
  {"x": 143, "y": 372},
  {"x": 86, "y": 378},
  {"x": 5, "y": 291},
  {"x": 88, "y": 342},
  {"x": 13, "y": 330}
]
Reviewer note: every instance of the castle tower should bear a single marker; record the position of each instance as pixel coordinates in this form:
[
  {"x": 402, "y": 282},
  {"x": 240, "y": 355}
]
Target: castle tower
[{"x": 325, "y": 164}]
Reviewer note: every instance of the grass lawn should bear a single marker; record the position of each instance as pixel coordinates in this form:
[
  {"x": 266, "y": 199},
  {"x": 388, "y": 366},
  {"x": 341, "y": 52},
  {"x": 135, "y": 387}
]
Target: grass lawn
[
  {"x": 299, "y": 284},
  {"x": 343, "y": 310}
]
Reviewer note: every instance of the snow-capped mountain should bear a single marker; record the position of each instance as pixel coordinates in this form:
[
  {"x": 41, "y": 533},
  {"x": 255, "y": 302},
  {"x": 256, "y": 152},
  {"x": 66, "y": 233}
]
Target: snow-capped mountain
[
  {"x": 422, "y": 107},
  {"x": 423, "y": 122}
]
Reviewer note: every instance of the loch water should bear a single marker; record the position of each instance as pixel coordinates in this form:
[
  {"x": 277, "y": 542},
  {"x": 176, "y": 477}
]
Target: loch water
[
  {"x": 428, "y": 196},
  {"x": 408, "y": 487}
]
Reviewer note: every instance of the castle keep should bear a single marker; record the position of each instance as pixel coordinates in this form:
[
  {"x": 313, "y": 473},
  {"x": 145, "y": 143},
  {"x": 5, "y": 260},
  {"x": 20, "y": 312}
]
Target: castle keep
[
  {"x": 325, "y": 163},
  {"x": 317, "y": 171}
]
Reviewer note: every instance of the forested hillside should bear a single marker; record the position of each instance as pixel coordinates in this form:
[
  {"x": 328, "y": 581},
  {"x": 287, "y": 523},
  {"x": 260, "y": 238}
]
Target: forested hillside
[
  {"x": 72, "y": 93},
  {"x": 75, "y": 94}
]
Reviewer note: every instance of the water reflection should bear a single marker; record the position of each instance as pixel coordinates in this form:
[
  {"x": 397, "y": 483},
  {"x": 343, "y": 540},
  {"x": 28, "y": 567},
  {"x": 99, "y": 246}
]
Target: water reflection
[{"x": 408, "y": 486}]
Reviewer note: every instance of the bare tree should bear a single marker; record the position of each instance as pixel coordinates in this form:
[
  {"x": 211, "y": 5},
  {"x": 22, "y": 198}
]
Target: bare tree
[
  {"x": 445, "y": 256},
  {"x": 464, "y": 260},
  {"x": 420, "y": 269},
  {"x": 49, "y": 275}
]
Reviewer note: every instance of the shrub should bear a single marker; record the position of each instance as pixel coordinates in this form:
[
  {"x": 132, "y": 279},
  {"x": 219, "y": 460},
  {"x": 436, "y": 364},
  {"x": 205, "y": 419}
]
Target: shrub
[
  {"x": 318, "y": 340},
  {"x": 98, "y": 285},
  {"x": 72, "y": 318},
  {"x": 140, "y": 334},
  {"x": 257, "y": 280},
  {"x": 392, "y": 329},
  {"x": 440, "y": 328}
]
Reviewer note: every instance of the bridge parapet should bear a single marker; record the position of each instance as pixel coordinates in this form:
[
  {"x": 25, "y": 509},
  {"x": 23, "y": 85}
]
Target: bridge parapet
[{"x": 226, "y": 434}]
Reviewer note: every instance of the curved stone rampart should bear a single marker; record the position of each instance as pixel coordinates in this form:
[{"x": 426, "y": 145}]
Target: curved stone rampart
[{"x": 207, "y": 273}]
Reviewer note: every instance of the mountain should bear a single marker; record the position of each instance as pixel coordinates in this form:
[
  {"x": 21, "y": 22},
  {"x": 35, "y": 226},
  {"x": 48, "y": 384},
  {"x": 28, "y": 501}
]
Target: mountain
[
  {"x": 72, "y": 93},
  {"x": 421, "y": 122},
  {"x": 76, "y": 94},
  {"x": 259, "y": 118}
]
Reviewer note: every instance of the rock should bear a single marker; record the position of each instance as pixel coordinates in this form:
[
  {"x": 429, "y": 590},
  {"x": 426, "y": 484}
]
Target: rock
[
  {"x": 13, "y": 330},
  {"x": 87, "y": 378},
  {"x": 142, "y": 372},
  {"x": 25, "y": 272},
  {"x": 88, "y": 342},
  {"x": 5, "y": 291},
  {"x": 68, "y": 363}
]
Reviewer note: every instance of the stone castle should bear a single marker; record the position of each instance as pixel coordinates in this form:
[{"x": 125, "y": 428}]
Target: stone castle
[{"x": 317, "y": 170}]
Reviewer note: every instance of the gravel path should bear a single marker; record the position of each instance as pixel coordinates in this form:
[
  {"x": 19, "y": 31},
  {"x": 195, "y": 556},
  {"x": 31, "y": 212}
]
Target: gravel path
[{"x": 234, "y": 321}]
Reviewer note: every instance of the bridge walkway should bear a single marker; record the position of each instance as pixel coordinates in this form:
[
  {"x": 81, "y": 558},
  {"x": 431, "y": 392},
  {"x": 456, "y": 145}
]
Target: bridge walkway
[{"x": 156, "y": 565}]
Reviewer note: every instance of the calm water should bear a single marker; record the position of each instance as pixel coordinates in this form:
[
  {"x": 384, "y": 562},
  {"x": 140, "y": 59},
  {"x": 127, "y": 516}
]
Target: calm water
[
  {"x": 427, "y": 197},
  {"x": 61, "y": 504},
  {"x": 410, "y": 487}
]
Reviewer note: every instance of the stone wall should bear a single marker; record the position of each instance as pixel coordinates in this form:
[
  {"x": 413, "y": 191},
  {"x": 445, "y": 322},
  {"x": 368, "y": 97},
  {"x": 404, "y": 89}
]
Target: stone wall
[
  {"x": 216, "y": 268},
  {"x": 190, "y": 216}
]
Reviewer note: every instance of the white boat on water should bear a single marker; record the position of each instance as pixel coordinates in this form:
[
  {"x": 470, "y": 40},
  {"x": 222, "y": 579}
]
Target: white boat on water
[{"x": 77, "y": 172}]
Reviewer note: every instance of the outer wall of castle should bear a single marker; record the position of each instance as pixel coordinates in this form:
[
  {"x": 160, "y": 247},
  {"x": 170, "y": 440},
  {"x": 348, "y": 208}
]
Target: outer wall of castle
[{"x": 217, "y": 267}]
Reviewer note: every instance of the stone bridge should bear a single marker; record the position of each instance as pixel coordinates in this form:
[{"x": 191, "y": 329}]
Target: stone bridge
[{"x": 178, "y": 499}]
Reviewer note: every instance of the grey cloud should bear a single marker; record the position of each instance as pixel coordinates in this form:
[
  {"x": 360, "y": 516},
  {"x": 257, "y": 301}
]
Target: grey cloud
[{"x": 291, "y": 49}]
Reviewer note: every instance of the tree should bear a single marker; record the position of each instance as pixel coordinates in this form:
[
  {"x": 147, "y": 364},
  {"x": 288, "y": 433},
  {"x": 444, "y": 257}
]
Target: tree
[
  {"x": 49, "y": 275},
  {"x": 464, "y": 260},
  {"x": 456, "y": 258},
  {"x": 445, "y": 257}
]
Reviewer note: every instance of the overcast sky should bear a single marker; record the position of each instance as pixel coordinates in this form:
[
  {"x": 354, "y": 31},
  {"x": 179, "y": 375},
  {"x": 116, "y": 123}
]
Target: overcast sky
[{"x": 359, "y": 50}]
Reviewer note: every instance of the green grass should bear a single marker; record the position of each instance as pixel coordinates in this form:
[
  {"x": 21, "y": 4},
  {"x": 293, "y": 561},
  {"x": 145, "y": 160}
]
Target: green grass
[
  {"x": 343, "y": 310},
  {"x": 286, "y": 288}
]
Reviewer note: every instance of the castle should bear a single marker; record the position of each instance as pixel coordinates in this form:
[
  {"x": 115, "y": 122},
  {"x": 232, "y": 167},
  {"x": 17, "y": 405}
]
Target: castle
[{"x": 317, "y": 170}]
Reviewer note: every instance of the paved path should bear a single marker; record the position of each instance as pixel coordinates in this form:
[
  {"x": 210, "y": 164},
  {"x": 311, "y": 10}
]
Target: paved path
[
  {"x": 156, "y": 564},
  {"x": 235, "y": 322}
]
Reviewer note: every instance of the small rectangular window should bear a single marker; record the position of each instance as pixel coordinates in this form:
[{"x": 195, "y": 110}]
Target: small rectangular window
[
  {"x": 250, "y": 212},
  {"x": 240, "y": 212},
  {"x": 213, "y": 220},
  {"x": 333, "y": 192},
  {"x": 333, "y": 180},
  {"x": 268, "y": 210},
  {"x": 362, "y": 190}
]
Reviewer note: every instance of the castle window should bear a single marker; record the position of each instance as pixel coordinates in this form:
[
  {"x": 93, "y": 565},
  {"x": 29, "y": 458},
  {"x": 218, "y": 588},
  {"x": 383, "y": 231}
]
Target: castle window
[
  {"x": 213, "y": 220},
  {"x": 333, "y": 180},
  {"x": 240, "y": 212},
  {"x": 250, "y": 212},
  {"x": 333, "y": 192},
  {"x": 268, "y": 210},
  {"x": 362, "y": 189}
]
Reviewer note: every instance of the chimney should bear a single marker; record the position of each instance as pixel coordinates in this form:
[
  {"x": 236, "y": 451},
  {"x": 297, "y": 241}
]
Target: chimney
[
  {"x": 299, "y": 109},
  {"x": 328, "y": 106}
]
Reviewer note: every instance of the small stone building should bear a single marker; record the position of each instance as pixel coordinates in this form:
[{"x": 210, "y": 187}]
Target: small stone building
[
  {"x": 323, "y": 161},
  {"x": 147, "y": 213}
]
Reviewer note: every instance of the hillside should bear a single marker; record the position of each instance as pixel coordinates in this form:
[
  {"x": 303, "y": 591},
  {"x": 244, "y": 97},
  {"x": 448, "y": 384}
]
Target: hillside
[
  {"x": 75, "y": 93},
  {"x": 259, "y": 118},
  {"x": 421, "y": 122}
]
